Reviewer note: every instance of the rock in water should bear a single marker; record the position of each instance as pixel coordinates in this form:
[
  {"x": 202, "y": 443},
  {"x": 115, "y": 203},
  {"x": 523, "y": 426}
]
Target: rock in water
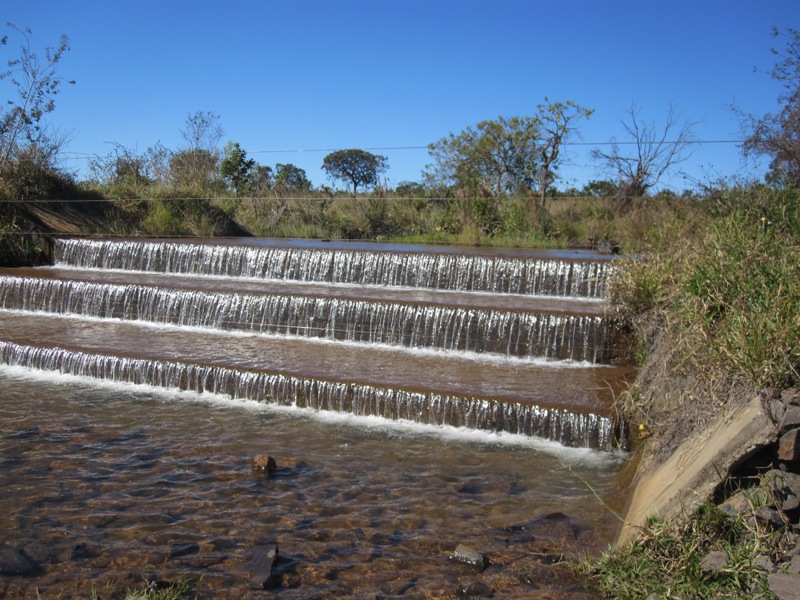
[
  {"x": 470, "y": 556},
  {"x": 16, "y": 562},
  {"x": 261, "y": 565},
  {"x": 264, "y": 464},
  {"x": 473, "y": 589}
]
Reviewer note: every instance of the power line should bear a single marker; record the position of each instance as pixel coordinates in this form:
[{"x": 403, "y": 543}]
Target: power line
[{"x": 90, "y": 156}]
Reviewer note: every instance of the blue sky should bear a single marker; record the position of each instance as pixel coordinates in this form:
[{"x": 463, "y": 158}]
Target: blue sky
[{"x": 310, "y": 75}]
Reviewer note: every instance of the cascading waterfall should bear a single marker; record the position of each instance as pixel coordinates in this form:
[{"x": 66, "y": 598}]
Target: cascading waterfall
[
  {"x": 532, "y": 276},
  {"x": 561, "y": 425},
  {"x": 511, "y": 333},
  {"x": 404, "y": 302}
]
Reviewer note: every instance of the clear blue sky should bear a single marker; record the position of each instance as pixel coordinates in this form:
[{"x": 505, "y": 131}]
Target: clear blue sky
[{"x": 326, "y": 74}]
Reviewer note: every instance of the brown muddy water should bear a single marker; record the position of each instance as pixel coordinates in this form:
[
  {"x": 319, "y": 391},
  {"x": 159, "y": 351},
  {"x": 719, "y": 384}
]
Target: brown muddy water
[{"x": 111, "y": 486}]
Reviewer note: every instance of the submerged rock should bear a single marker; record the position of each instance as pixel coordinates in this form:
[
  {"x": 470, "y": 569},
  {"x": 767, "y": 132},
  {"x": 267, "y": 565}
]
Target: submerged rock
[
  {"x": 473, "y": 589},
  {"x": 16, "y": 562},
  {"x": 261, "y": 566},
  {"x": 470, "y": 556},
  {"x": 184, "y": 549}
]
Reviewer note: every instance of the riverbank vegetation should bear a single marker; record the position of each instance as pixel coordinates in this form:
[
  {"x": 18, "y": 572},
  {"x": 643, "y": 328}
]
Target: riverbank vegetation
[{"x": 715, "y": 312}]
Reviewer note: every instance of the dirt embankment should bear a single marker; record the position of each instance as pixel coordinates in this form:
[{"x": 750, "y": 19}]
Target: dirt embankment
[{"x": 31, "y": 227}]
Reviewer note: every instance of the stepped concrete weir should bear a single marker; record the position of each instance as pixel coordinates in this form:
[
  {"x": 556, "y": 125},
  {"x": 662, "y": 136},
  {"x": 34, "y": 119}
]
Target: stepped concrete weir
[
  {"x": 432, "y": 314},
  {"x": 425, "y": 392}
]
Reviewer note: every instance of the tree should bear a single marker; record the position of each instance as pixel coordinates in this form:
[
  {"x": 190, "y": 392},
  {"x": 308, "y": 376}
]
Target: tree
[
  {"x": 193, "y": 168},
  {"x": 494, "y": 155},
  {"x": 649, "y": 154},
  {"x": 36, "y": 85},
  {"x": 260, "y": 178},
  {"x": 357, "y": 167},
  {"x": 777, "y": 136},
  {"x": 235, "y": 167},
  {"x": 601, "y": 189},
  {"x": 196, "y": 165},
  {"x": 509, "y": 154},
  {"x": 290, "y": 177},
  {"x": 203, "y": 131},
  {"x": 556, "y": 125}
]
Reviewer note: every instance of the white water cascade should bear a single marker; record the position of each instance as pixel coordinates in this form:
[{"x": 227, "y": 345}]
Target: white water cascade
[{"x": 509, "y": 342}]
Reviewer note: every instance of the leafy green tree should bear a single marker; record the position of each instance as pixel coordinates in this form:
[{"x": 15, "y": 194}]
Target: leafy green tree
[
  {"x": 777, "y": 136},
  {"x": 289, "y": 177},
  {"x": 235, "y": 167},
  {"x": 508, "y": 154},
  {"x": 601, "y": 189},
  {"x": 260, "y": 178},
  {"x": 556, "y": 125},
  {"x": 494, "y": 154},
  {"x": 357, "y": 167},
  {"x": 193, "y": 168},
  {"x": 36, "y": 84}
]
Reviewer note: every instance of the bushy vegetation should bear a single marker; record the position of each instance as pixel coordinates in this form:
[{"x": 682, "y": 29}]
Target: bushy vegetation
[{"x": 723, "y": 286}]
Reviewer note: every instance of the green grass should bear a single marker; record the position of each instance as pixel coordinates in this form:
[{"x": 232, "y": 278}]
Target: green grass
[{"x": 666, "y": 560}]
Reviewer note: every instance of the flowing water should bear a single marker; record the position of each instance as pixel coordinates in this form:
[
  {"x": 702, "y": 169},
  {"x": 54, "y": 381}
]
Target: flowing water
[{"x": 413, "y": 398}]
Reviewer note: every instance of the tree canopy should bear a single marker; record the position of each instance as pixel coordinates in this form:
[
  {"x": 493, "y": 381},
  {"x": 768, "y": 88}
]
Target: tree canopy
[
  {"x": 235, "y": 167},
  {"x": 291, "y": 177},
  {"x": 508, "y": 154},
  {"x": 354, "y": 166},
  {"x": 777, "y": 136}
]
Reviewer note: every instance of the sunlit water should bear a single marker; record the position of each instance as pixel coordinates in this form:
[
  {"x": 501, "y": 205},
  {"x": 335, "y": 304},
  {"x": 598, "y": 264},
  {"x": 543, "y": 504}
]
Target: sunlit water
[
  {"x": 109, "y": 485},
  {"x": 118, "y": 485}
]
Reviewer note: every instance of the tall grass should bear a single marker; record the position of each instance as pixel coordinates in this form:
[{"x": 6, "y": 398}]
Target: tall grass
[{"x": 724, "y": 286}]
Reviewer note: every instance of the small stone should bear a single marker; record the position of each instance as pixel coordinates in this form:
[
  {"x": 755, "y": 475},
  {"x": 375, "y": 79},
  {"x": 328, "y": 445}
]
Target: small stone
[
  {"x": 791, "y": 396},
  {"x": 786, "y": 484},
  {"x": 470, "y": 556},
  {"x": 714, "y": 561},
  {"x": 764, "y": 563},
  {"x": 777, "y": 410},
  {"x": 784, "y": 586},
  {"x": 770, "y": 517},
  {"x": 264, "y": 464},
  {"x": 794, "y": 565},
  {"x": 789, "y": 445},
  {"x": 790, "y": 419},
  {"x": 790, "y": 503}
]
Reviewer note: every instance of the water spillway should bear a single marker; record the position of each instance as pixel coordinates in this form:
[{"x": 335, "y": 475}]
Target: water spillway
[
  {"x": 501, "y": 342},
  {"x": 437, "y": 270},
  {"x": 577, "y": 337}
]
